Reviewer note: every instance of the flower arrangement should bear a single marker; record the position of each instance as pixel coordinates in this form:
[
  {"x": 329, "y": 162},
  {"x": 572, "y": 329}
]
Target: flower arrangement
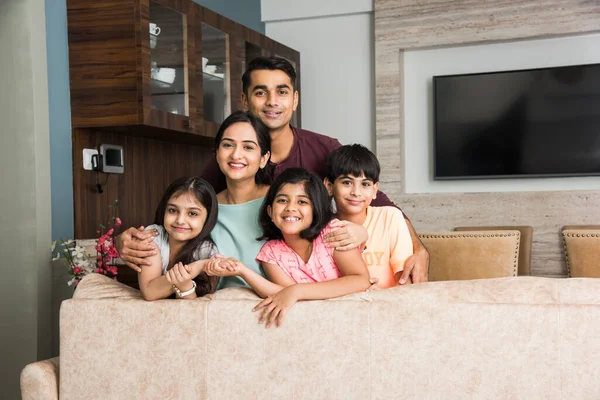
[{"x": 81, "y": 258}]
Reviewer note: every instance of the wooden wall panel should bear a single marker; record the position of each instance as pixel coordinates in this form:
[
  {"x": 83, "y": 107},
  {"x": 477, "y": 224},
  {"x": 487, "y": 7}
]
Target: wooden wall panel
[
  {"x": 102, "y": 45},
  {"x": 414, "y": 24},
  {"x": 150, "y": 166}
]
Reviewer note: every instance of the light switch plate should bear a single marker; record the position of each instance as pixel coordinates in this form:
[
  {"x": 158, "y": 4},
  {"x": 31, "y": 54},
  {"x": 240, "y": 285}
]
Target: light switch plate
[{"x": 87, "y": 158}]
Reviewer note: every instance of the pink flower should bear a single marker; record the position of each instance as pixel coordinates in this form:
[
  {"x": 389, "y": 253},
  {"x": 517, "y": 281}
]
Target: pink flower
[
  {"x": 118, "y": 222},
  {"x": 110, "y": 232},
  {"x": 98, "y": 270},
  {"x": 76, "y": 270}
]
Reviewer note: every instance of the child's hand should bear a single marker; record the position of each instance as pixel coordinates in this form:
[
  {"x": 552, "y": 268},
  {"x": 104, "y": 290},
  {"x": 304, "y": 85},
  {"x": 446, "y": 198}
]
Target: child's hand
[
  {"x": 374, "y": 284},
  {"x": 275, "y": 307},
  {"x": 223, "y": 266},
  {"x": 347, "y": 237},
  {"x": 180, "y": 276}
]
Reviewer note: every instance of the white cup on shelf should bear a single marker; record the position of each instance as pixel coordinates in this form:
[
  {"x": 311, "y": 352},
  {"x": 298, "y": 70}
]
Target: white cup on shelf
[
  {"x": 154, "y": 29},
  {"x": 210, "y": 69},
  {"x": 166, "y": 75},
  {"x": 204, "y": 62}
]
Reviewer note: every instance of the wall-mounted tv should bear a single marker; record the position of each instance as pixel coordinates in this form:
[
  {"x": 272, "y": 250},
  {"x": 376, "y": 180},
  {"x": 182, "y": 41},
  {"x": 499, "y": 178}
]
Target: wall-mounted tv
[{"x": 529, "y": 123}]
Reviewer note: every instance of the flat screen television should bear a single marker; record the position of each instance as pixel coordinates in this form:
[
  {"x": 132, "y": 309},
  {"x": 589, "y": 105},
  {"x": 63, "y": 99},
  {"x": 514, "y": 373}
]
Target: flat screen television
[{"x": 529, "y": 123}]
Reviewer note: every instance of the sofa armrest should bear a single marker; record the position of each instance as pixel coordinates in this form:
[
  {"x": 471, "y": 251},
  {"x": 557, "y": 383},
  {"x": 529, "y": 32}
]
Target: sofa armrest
[
  {"x": 472, "y": 255},
  {"x": 39, "y": 380}
]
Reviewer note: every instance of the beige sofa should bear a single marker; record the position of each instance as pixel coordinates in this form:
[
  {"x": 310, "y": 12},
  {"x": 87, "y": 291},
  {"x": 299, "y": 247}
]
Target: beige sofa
[{"x": 507, "y": 338}]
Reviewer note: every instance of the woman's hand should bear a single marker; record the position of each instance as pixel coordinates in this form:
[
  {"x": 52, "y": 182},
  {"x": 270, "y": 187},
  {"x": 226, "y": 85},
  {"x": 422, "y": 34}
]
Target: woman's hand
[
  {"x": 276, "y": 307},
  {"x": 347, "y": 237},
  {"x": 135, "y": 247},
  {"x": 180, "y": 276}
]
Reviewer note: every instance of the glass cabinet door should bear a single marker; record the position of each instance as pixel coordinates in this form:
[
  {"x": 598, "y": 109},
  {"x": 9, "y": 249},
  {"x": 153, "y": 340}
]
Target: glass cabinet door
[
  {"x": 169, "y": 60},
  {"x": 216, "y": 92}
]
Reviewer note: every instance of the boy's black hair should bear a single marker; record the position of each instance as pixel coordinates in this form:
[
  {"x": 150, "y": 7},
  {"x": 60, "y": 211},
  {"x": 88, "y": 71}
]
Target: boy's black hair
[
  {"x": 204, "y": 193},
  {"x": 263, "y": 136},
  {"x": 271, "y": 64},
  {"x": 352, "y": 160},
  {"x": 317, "y": 193}
]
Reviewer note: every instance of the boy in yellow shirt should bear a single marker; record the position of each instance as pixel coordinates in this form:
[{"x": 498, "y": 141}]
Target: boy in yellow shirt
[{"x": 352, "y": 179}]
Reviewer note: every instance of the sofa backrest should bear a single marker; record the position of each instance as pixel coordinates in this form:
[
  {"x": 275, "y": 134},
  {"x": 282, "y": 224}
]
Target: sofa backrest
[{"x": 521, "y": 337}]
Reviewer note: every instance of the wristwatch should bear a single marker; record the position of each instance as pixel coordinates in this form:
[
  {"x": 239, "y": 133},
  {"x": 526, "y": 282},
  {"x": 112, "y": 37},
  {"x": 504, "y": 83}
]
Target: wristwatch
[{"x": 181, "y": 294}]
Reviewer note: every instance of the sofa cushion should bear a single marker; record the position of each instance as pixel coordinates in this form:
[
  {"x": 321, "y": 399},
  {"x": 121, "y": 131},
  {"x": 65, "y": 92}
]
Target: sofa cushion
[
  {"x": 472, "y": 255},
  {"x": 525, "y": 242},
  {"x": 582, "y": 252}
]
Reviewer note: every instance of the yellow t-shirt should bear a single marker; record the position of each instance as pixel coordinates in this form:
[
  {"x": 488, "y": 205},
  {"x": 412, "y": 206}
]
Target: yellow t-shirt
[{"x": 389, "y": 244}]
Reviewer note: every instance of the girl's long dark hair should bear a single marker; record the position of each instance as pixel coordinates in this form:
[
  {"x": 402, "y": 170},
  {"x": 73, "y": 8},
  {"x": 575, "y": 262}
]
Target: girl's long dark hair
[
  {"x": 204, "y": 193},
  {"x": 319, "y": 198},
  {"x": 263, "y": 136}
]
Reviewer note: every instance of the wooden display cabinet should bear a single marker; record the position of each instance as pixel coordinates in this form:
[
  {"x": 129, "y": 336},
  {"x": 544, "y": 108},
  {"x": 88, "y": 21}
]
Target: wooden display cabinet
[{"x": 163, "y": 69}]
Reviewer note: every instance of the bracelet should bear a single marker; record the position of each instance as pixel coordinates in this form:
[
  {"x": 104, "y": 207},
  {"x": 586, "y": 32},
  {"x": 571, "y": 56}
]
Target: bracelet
[{"x": 181, "y": 294}]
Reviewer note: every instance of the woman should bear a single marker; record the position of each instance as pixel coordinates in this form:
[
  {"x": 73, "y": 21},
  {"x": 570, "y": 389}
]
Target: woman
[{"x": 242, "y": 148}]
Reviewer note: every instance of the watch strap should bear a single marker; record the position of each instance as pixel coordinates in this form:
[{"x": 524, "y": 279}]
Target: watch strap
[{"x": 181, "y": 294}]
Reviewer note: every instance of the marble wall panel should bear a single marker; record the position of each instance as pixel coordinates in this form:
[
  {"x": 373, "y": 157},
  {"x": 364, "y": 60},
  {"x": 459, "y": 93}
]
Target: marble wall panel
[{"x": 413, "y": 24}]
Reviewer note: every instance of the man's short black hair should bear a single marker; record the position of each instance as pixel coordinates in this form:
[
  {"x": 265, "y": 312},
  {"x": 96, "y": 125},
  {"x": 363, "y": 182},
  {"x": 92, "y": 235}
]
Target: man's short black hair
[
  {"x": 317, "y": 193},
  {"x": 268, "y": 63},
  {"x": 352, "y": 160}
]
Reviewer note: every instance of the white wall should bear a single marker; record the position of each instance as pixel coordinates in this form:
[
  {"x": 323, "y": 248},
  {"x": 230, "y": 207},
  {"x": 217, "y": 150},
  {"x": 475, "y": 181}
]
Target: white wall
[
  {"x": 335, "y": 41},
  {"x": 25, "y": 201},
  {"x": 421, "y": 65}
]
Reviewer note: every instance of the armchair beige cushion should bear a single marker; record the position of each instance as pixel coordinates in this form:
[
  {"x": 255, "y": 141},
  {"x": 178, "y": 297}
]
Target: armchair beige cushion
[
  {"x": 525, "y": 242},
  {"x": 472, "y": 255},
  {"x": 582, "y": 251},
  {"x": 39, "y": 380}
]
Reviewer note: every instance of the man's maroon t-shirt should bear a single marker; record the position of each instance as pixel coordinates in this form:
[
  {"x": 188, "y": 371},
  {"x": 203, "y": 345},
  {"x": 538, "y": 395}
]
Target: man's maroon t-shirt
[{"x": 310, "y": 151}]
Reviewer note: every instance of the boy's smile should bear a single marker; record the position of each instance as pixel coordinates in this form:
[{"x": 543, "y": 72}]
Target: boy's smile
[{"x": 352, "y": 196}]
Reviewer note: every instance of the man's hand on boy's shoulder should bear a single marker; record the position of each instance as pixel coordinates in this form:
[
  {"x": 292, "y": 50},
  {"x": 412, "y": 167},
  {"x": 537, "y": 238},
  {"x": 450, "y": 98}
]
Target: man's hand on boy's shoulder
[
  {"x": 135, "y": 246},
  {"x": 417, "y": 267},
  {"x": 346, "y": 236}
]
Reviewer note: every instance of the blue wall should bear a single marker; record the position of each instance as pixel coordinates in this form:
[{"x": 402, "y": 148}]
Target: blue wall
[{"x": 246, "y": 12}]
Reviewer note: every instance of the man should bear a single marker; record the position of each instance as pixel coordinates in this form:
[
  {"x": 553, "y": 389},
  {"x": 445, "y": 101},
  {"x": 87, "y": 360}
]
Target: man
[{"x": 269, "y": 92}]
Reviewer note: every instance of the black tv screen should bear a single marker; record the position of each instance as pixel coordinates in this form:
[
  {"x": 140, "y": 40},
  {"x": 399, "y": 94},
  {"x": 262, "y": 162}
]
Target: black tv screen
[{"x": 528, "y": 123}]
